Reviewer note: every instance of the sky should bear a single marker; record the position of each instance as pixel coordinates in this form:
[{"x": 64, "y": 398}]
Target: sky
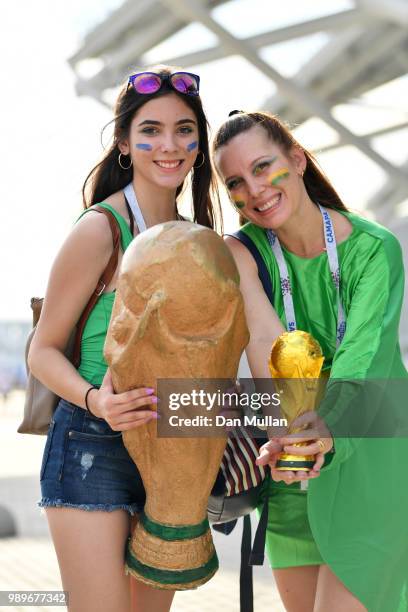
[{"x": 50, "y": 137}]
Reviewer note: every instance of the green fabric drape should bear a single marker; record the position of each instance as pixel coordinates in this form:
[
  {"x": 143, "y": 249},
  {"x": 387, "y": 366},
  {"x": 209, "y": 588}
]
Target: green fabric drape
[{"x": 358, "y": 507}]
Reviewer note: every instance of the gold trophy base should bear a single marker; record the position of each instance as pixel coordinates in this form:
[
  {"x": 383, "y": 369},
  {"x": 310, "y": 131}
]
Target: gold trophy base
[{"x": 295, "y": 463}]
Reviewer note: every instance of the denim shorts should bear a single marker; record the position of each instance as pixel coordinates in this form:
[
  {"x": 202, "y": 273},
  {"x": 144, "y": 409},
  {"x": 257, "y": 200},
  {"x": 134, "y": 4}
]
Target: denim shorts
[{"x": 86, "y": 465}]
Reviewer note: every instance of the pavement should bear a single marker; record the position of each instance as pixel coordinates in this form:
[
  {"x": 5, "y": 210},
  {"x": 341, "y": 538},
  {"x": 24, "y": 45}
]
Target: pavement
[{"x": 28, "y": 560}]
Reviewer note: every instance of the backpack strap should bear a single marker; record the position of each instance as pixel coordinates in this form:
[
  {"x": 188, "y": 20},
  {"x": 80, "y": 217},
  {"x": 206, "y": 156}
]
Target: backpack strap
[
  {"x": 246, "y": 587},
  {"x": 104, "y": 280},
  {"x": 252, "y": 557},
  {"x": 257, "y": 555},
  {"x": 262, "y": 269}
]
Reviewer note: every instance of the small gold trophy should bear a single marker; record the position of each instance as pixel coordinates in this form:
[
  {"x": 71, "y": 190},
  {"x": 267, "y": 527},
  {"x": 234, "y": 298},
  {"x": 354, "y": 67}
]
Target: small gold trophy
[{"x": 296, "y": 359}]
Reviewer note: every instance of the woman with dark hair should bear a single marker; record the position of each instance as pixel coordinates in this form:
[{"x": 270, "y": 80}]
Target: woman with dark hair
[
  {"x": 337, "y": 535},
  {"x": 90, "y": 485}
]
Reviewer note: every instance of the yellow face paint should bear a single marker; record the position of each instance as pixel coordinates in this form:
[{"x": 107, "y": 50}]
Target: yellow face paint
[
  {"x": 276, "y": 177},
  {"x": 238, "y": 203}
]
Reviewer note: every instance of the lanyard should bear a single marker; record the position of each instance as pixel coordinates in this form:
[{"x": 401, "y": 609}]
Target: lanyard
[
  {"x": 331, "y": 249},
  {"x": 135, "y": 208}
]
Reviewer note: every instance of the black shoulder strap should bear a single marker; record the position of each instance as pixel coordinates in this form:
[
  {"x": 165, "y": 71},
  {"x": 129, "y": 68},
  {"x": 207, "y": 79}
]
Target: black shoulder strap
[
  {"x": 131, "y": 217},
  {"x": 262, "y": 269},
  {"x": 258, "y": 548},
  {"x": 246, "y": 588},
  {"x": 252, "y": 557}
]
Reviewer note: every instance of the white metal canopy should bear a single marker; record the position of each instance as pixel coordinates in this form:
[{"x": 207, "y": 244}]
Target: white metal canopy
[{"x": 367, "y": 46}]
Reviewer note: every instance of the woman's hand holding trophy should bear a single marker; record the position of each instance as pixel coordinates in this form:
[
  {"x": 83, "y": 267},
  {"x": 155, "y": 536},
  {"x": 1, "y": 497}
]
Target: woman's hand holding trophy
[{"x": 296, "y": 360}]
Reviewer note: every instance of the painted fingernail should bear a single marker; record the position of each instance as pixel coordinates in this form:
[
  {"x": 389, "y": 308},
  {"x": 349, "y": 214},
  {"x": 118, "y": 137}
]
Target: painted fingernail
[
  {"x": 155, "y": 400},
  {"x": 155, "y": 415},
  {"x": 149, "y": 390}
]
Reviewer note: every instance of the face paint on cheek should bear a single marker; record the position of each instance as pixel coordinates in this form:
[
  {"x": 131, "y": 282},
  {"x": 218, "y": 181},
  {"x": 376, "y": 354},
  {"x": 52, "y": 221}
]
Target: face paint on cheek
[
  {"x": 143, "y": 146},
  {"x": 193, "y": 145},
  {"x": 276, "y": 177},
  {"x": 238, "y": 203}
]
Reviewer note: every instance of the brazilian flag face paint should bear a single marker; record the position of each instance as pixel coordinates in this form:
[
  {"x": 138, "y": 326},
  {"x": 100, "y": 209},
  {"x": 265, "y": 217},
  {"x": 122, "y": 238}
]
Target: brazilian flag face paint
[
  {"x": 276, "y": 177},
  {"x": 238, "y": 202}
]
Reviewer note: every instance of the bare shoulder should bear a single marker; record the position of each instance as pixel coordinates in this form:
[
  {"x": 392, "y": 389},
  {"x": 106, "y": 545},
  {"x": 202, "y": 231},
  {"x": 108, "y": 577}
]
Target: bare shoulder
[
  {"x": 87, "y": 248},
  {"x": 93, "y": 231},
  {"x": 342, "y": 226}
]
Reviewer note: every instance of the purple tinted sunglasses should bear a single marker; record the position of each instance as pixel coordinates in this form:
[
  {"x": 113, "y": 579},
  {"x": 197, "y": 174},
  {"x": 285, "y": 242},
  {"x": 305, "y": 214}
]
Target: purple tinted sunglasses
[{"x": 150, "y": 82}]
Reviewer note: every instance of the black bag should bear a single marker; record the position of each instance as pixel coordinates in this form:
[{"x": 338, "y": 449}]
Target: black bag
[{"x": 237, "y": 487}]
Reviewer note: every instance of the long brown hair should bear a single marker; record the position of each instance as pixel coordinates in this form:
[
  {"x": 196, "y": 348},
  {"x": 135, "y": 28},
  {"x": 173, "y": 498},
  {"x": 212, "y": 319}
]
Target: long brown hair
[
  {"x": 318, "y": 186},
  {"x": 107, "y": 176}
]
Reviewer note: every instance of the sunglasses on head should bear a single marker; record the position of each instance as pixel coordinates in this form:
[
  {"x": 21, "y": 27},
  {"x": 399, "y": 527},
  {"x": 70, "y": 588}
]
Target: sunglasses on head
[{"x": 150, "y": 82}]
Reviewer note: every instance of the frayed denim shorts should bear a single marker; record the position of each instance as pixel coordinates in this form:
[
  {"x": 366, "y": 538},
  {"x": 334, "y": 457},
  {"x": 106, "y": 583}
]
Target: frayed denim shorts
[{"x": 86, "y": 465}]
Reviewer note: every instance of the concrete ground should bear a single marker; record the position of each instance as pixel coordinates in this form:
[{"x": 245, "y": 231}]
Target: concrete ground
[{"x": 28, "y": 561}]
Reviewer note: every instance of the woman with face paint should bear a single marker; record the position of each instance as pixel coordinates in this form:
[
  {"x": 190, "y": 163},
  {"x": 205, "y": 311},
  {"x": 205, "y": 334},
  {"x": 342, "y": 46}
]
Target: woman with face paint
[
  {"x": 90, "y": 485},
  {"x": 337, "y": 535}
]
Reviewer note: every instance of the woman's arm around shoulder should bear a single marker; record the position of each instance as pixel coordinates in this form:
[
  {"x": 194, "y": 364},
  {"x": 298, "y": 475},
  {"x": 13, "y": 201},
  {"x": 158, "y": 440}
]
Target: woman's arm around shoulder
[{"x": 263, "y": 322}]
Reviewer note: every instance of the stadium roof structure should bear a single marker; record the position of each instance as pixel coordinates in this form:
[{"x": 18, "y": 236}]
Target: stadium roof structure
[{"x": 366, "y": 46}]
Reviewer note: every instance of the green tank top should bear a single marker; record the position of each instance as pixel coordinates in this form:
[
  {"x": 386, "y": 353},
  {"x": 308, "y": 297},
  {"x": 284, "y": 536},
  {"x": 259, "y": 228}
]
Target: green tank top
[{"x": 93, "y": 365}]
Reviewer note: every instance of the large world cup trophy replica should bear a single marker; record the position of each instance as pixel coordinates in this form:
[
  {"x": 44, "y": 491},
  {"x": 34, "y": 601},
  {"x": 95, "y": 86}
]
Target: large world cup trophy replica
[
  {"x": 296, "y": 360},
  {"x": 178, "y": 314}
]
